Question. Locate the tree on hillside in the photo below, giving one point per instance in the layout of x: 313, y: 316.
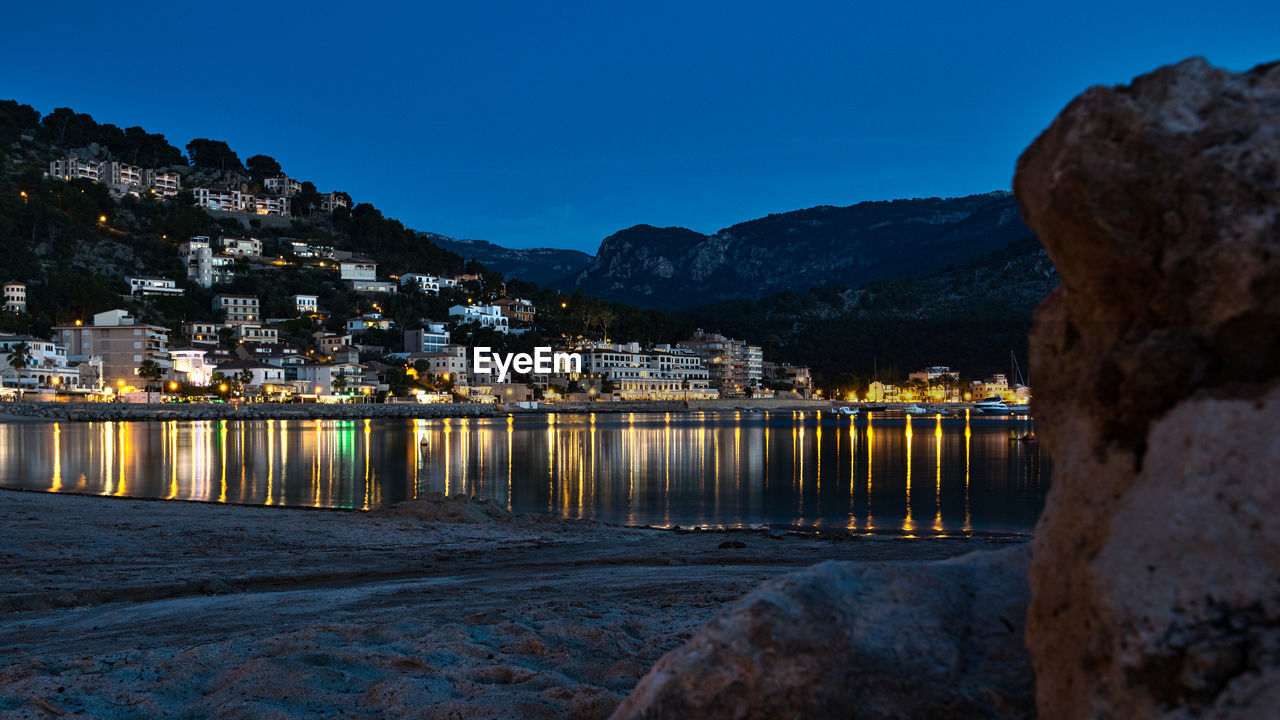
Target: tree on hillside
x: 307, y: 201
x: 151, y: 149
x: 212, y: 154
x: 262, y: 166
x: 15, y: 119
x: 67, y: 128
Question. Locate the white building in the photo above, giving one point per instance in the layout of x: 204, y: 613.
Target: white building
x: 663, y: 373
x: 46, y: 367
x: 224, y: 200
x: 369, y: 321
x: 164, y: 183
x: 198, y: 257
x: 428, y: 339
x: 331, y: 201
x: 122, y: 178
x: 327, y: 343
x: 203, y: 333
x: 189, y: 365
x: 70, y: 168
x: 329, y: 379
x: 242, y: 247
x: 377, y: 287
x: 306, y: 304
x: 237, y: 309
x: 429, y: 284
x: 204, y: 268
x: 271, y: 205
x: 448, y: 363
x: 283, y: 186
x: 358, y: 270
x: 483, y: 315
x: 144, y: 285
x: 15, y: 296
x: 261, y: 375
x: 257, y: 334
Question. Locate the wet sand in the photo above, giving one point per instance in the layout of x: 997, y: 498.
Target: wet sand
x: 121, y: 608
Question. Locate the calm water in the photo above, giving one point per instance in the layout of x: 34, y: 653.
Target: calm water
x: 886, y: 475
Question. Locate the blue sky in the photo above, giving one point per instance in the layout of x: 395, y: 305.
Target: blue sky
x: 556, y: 124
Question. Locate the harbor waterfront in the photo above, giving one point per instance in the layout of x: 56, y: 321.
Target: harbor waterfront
x: 885, y: 473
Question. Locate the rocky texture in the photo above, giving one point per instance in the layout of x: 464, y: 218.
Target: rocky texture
x: 821, y: 246
x: 435, y: 507
x: 1156, y: 566
x: 846, y: 640
x: 125, y: 609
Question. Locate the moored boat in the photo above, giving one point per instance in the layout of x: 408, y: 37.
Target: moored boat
x: 992, y: 406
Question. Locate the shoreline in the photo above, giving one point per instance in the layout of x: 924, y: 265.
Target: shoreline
x: 435, y: 606
x: 38, y: 412
x: 764, y: 530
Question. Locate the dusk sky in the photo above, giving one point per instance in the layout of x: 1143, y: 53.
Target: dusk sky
x: 556, y: 124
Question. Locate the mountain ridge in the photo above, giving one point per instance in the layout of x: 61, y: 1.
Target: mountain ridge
x: 674, y: 267
x: 543, y: 266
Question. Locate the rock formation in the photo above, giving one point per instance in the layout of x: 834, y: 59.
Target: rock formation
x: 1156, y: 565
x: 821, y: 246
x: 868, y: 640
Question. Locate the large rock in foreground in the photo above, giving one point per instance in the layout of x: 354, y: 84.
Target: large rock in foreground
x: 867, y: 640
x: 1156, y: 564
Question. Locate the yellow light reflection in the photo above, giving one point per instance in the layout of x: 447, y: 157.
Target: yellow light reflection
x: 56, y: 483
x: 937, y: 493
x: 908, y: 525
x: 967, y: 437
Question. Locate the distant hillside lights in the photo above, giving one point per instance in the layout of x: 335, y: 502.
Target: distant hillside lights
x: 122, y: 178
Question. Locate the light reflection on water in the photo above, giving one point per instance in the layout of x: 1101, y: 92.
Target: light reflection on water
x: 920, y: 476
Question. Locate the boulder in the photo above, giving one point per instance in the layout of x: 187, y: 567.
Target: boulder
x: 1155, y: 571
x: 867, y: 640
x: 436, y: 507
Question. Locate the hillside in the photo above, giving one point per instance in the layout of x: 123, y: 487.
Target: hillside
x: 73, y: 242
x: 969, y: 317
x: 543, y: 266
x: 892, y: 285
x: 794, y: 251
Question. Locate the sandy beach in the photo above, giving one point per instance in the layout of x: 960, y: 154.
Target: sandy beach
x: 445, y: 609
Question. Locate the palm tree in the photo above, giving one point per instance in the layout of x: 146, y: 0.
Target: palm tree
x: 149, y: 370
x: 20, y: 359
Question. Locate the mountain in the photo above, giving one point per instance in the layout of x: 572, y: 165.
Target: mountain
x: 847, y: 246
x: 968, y: 317
x: 540, y: 265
